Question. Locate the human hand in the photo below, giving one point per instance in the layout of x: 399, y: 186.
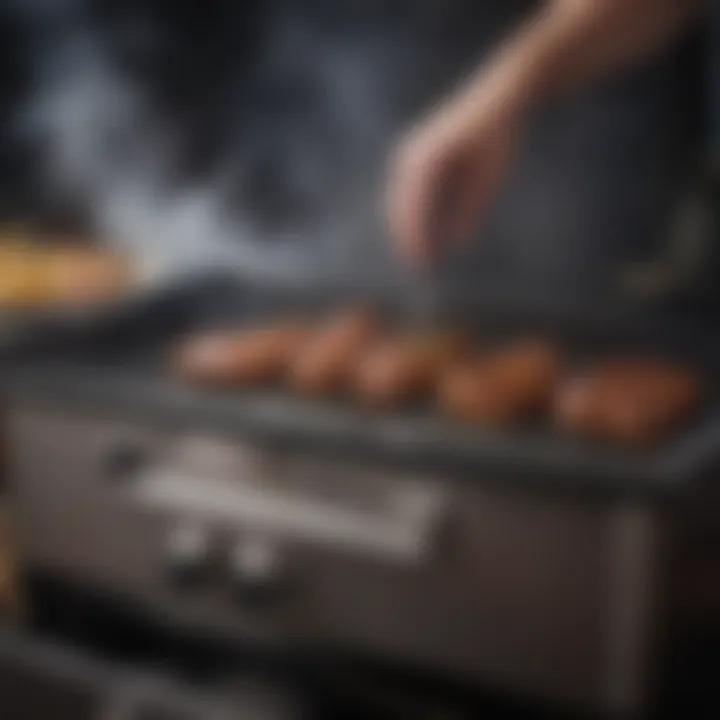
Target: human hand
x: 446, y: 173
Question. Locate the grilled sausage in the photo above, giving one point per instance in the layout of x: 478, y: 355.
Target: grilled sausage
x: 578, y: 405
x: 471, y: 395
x: 634, y: 401
x: 398, y: 371
x: 245, y: 358
x: 326, y: 363
x: 504, y: 388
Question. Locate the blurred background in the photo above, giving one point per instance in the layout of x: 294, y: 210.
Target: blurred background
x: 255, y: 465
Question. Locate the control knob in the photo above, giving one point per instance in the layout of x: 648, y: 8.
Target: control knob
x: 257, y: 570
x: 189, y: 553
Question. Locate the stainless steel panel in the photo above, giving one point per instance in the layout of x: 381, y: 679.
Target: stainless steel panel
x: 548, y: 596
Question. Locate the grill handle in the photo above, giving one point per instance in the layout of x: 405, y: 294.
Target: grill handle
x: 402, y: 534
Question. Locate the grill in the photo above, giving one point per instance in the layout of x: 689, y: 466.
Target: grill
x: 120, y: 362
x: 42, y: 680
x: 525, y: 561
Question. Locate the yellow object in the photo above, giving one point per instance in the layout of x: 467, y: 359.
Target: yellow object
x: 33, y: 276
x: 24, y: 278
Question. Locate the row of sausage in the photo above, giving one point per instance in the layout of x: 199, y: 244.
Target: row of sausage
x: 352, y: 355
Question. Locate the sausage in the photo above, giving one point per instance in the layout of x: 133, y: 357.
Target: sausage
x: 631, y: 401
x: 504, y: 388
x: 529, y: 369
x: 243, y: 358
x: 469, y: 394
x: 326, y: 363
x: 577, y: 406
x: 405, y: 369
x: 582, y: 402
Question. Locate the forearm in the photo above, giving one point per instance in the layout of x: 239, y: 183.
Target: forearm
x: 571, y: 43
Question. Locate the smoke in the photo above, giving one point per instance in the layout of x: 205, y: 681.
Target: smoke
x: 102, y: 147
x: 306, y: 123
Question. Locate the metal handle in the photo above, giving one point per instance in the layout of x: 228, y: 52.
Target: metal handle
x: 404, y: 534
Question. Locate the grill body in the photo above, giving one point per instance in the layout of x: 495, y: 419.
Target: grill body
x: 536, y: 566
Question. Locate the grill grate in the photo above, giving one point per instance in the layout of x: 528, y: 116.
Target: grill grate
x: 119, y: 362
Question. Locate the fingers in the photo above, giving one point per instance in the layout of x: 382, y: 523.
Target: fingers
x: 464, y: 200
x: 472, y: 190
x: 417, y: 177
x: 441, y: 187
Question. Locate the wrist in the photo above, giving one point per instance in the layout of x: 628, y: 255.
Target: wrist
x: 526, y: 68
x: 518, y: 79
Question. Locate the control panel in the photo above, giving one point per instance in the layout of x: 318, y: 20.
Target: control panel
x: 235, y: 515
